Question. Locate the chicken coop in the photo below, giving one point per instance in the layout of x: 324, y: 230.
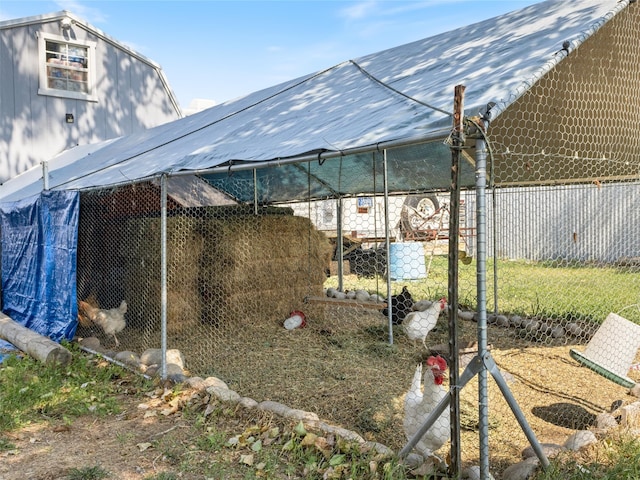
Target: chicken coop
x: 352, y: 198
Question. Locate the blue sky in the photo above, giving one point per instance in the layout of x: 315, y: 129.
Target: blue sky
x: 219, y: 50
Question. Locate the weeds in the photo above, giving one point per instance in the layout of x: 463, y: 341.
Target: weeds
x: 163, y: 476
x: 88, y: 473
x: 613, y: 459
x: 233, y: 443
x: 6, y: 445
x: 31, y: 391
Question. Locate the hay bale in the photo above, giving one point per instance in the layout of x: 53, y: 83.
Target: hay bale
x: 184, y: 250
x: 223, y: 270
x: 260, y: 268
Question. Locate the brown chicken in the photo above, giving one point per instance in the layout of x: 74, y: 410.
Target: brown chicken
x: 111, y: 321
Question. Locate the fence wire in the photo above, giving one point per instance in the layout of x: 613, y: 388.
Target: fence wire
x: 564, y: 253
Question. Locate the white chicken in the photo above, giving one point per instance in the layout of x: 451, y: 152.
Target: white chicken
x: 418, y: 324
x: 418, y: 404
x: 111, y: 321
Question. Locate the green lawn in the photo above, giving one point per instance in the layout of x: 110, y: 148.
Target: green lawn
x: 550, y: 290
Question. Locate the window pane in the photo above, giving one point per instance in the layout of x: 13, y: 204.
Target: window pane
x: 67, y: 67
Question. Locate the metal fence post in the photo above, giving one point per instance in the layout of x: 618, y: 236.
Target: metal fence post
x: 163, y: 274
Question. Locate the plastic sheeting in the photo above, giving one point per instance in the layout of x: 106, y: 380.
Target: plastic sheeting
x: 39, y: 252
x: 400, y: 95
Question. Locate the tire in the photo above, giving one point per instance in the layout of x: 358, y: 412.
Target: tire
x: 415, y: 210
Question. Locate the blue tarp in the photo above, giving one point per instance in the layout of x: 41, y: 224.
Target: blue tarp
x: 39, y: 252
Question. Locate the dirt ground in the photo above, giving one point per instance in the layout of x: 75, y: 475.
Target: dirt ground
x: 348, y: 377
x: 117, y: 443
x: 344, y: 371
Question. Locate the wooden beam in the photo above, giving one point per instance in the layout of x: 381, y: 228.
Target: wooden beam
x: 338, y: 302
x: 39, y: 347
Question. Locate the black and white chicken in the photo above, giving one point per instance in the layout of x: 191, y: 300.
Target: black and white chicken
x: 400, y: 305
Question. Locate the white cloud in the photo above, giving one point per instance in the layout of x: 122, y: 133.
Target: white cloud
x: 84, y: 11
x: 359, y: 10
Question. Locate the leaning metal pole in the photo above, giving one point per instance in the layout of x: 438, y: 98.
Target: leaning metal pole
x: 454, y: 234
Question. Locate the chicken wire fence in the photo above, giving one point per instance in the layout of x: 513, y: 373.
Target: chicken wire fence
x: 564, y: 244
x: 234, y: 275
x: 563, y: 254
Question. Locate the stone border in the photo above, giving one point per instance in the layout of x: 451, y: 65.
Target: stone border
x: 148, y: 364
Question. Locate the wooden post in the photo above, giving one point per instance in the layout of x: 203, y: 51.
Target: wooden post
x: 39, y: 347
x: 454, y: 228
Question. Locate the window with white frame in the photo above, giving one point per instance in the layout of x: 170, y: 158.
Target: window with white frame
x: 67, y: 69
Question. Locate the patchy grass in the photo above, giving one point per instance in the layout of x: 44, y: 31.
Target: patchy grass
x: 344, y: 370
x: 32, y: 392
x: 95, y: 407
x: 88, y: 473
x: 201, y: 437
x: 612, y: 459
x: 549, y: 289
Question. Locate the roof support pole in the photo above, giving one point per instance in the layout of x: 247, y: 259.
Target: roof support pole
x: 255, y: 191
x: 45, y: 175
x: 494, y: 229
x: 339, y: 243
x: 489, y: 365
x: 481, y: 292
x: 163, y: 275
x: 387, y: 245
x: 482, y: 364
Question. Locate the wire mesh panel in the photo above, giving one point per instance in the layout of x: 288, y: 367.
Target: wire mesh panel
x: 564, y: 243
x: 375, y: 376
x: 116, y: 239
x: 337, y: 303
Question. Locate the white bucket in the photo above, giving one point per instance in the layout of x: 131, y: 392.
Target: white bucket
x: 406, y: 261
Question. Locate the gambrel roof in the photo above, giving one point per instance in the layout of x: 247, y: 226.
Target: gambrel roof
x: 64, y: 14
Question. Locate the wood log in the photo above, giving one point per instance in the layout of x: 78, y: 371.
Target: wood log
x: 340, y: 302
x: 39, y: 347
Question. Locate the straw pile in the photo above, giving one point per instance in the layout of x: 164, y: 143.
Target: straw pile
x: 260, y: 268
x: 143, y: 269
x: 226, y: 268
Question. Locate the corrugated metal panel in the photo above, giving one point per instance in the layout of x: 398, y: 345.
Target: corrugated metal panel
x: 585, y: 223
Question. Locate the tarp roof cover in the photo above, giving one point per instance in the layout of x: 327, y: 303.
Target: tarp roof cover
x: 397, y: 96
